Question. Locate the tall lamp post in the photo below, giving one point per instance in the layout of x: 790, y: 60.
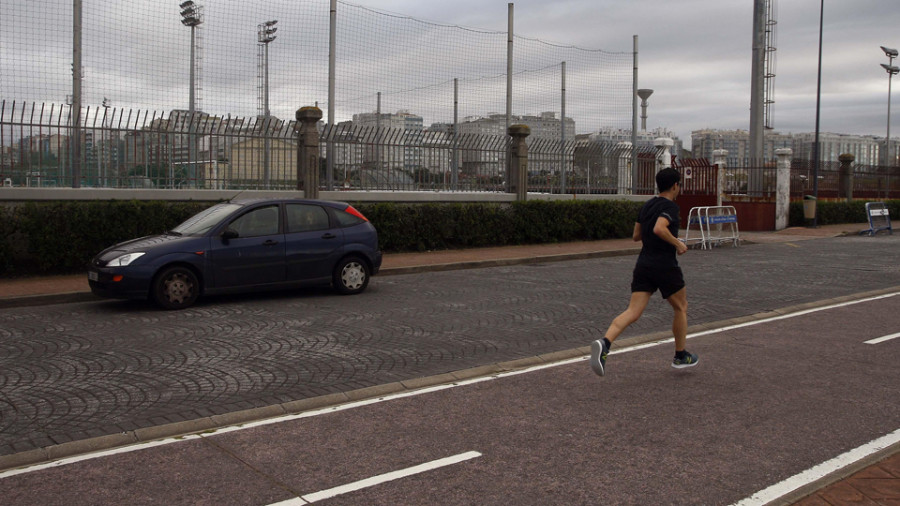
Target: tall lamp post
x: 892, y: 71
x: 191, y: 16
x: 818, y: 115
x: 266, y: 34
x: 103, y: 171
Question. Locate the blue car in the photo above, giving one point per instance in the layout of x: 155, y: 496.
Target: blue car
x: 239, y: 246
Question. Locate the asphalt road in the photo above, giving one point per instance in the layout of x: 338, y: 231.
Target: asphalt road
x: 71, y: 372
x: 766, y: 402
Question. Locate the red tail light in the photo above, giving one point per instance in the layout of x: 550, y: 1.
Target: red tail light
x: 354, y: 212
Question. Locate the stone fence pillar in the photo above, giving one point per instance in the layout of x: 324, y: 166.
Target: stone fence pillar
x: 782, y: 187
x: 665, y: 158
x: 720, y: 160
x: 518, y: 162
x: 308, y: 151
x: 845, y: 185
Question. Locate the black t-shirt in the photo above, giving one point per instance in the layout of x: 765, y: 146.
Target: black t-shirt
x: 655, y: 251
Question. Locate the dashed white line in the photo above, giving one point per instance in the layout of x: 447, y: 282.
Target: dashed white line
x: 413, y: 393
x: 882, y: 339
x: 377, y: 480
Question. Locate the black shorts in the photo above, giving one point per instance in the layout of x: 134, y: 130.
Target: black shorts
x: 667, y: 280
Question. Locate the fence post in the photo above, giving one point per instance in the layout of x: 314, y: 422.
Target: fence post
x: 845, y: 185
x: 720, y: 160
x: 518, y: 166
x: 665, y: 159
x: 308, y: 151
x: 782, y: 187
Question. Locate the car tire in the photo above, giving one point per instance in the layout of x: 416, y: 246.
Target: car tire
x: 351, y: 275
x: 176, y: 288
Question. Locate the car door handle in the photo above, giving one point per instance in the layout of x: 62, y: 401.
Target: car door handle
x: 270, y: 242
x: 329, y: 236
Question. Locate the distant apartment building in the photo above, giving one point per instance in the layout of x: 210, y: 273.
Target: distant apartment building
x: 866, y: 149
x: 488, y: 162
x: 645, y: 139
x: 737, y: 143
x: 397, y: 146
x: 544, y: 125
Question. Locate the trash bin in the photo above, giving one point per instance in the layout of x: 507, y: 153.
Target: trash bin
x: 809, y: 207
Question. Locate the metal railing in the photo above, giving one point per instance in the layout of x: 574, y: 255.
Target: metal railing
x: 125, y: 148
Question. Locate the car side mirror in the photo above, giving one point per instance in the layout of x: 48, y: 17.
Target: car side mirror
x: 229, y: 234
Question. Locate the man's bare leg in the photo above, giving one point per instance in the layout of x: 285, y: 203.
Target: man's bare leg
x: 636, y: 307
x: 678, y: 301
x: 600, y: 348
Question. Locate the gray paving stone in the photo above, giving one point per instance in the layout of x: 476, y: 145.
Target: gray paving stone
x: 76, y: 371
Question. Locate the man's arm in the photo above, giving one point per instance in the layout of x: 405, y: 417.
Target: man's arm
x: 661, y: 229
x: 636, y: 235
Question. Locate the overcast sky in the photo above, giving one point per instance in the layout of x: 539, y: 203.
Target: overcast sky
x: 696, y: 54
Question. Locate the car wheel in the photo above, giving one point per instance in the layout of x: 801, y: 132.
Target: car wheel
x: 176, y: 288
x: 351, y: 275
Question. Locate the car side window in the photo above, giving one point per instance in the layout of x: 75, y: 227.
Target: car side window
x: 306, y: 218
x: 347, y: 220
x: 262, y: 221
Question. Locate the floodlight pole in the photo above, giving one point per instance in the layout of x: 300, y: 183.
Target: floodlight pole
x: 818, y: 111
x: 891, y: 70
x: 266, y: 34
x: 191, y: 16
x: 75, y: 142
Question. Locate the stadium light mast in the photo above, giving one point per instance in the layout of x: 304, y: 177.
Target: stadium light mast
x: 191, y: 15
x: 892, y: 70
x: 265, y: 35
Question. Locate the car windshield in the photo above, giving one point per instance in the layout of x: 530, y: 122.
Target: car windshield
x: 203, y: 221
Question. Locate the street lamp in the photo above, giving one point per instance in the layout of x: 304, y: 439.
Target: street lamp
x: 103, y: 172
x: 191, y: 15
x: 892, y: 71
x: 266, y: 34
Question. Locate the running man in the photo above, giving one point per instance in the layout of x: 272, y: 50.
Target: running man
x: 657, y: 268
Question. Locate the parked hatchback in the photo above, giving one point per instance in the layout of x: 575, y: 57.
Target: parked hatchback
x: 243, y: 246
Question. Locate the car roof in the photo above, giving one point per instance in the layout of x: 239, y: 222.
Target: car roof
x: 254, y: 201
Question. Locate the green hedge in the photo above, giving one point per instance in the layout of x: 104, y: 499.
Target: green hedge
x: 40, y: 238
x: 833, y: 212
x: 61, y: 237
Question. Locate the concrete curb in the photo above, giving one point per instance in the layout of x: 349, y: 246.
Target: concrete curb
x: 211, y: 424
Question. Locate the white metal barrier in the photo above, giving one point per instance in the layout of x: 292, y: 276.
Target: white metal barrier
x: 726, y: 226
x: 879, y: 218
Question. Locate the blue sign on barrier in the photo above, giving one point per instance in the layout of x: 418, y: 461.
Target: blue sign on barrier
x: 714, y: 220
x: 879, y: 218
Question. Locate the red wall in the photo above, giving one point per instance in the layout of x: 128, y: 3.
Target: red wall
x: 754, y: 214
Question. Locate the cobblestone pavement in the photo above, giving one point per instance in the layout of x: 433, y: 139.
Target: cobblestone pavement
x: 76, y: 371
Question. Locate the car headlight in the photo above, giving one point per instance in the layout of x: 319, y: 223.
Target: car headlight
x: 124, y: 260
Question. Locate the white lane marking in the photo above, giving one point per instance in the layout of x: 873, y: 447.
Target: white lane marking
x: 882, y: 339
x: 812, y: 474
x: 402, y: 395
x: 377, y: 480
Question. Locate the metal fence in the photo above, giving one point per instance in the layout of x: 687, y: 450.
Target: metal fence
x: 155, y: 56
x: 124, y: 148
x: 868, y: 181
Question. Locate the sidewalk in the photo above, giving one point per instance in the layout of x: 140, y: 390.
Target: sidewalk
x: 71, y: 288
x: 873, y: 483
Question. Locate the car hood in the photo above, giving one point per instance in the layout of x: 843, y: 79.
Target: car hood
x: 153, y: 245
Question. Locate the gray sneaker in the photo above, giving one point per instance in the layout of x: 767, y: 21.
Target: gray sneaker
x: 689, y: 360
x: 599, y: 351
